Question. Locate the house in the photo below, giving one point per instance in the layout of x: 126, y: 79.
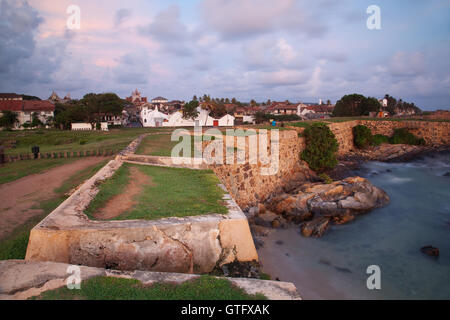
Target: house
x: 153, y: 118
x: 159, y: 100
x: 10, y: 96
x: 88, y: 126
x: 25, y: 109
x: 283, y: 108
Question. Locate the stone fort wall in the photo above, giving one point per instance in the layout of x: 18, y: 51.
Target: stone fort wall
x: 249, y: 187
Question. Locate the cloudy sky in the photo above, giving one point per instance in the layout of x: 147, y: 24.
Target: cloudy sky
x: 278, y: 49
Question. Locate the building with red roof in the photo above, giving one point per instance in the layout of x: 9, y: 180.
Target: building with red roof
x: 25, y: 109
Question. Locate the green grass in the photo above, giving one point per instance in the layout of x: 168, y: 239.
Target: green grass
x: 161, y: 145
x: 61, y: 141
x: 173, y: 192
x: 16, y: 170
x: 14, y: 246
x: 110, y: 288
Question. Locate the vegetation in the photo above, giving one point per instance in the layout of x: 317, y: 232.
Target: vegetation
x: 261, y: 117
x: 190, y: 110
x: 91, y: 109
x: 325, y: 178
x: 172, y: 192
x: 321, y: 147
x: 395, y: 106
x: 379, y: 139
x: 111, y: 288
x: 355, y: 105
x: 403, y: 136
x: 20, y: 142
x: 161, y: 145
x: 14, y: 246
x: 362, y: 136
x: 8, y: 119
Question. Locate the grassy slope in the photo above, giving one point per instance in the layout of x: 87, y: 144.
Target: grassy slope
x: 15, y: 245
x: 109, y: 288
x: 173, y: 193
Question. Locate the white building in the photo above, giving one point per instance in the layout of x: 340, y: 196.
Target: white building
x: 153, y: 118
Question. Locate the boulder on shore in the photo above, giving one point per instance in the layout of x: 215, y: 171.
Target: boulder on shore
x: 315, y: 205
x: 430, y: 251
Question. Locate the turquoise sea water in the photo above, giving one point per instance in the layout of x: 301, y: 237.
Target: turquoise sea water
x: 334, y: 266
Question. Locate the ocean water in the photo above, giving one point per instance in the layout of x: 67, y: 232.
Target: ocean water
x: 334, y: 266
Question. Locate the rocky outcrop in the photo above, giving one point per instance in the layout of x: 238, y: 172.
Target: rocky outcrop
x: 315, y: 205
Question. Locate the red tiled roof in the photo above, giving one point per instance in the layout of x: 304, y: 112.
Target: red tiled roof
x: 36, y: 105
x: 11, y: 105
x: 283, y: 106
x: 9, y: 96
x: 26, y: 105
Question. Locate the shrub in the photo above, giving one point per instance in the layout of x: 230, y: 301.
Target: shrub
x: 362, y: 136
x: 378, y: 139
x: 403, y: 136
x: 82, y: 142
x: 325, y: 178
x: 321, y: 147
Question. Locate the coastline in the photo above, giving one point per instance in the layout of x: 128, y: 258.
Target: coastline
x: 352, y: 163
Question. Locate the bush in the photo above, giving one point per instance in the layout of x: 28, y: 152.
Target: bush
x: 325, y: 178
x: 378, y: 139
x: 82, y: 142
x: 362, y: 136
x: 321, y: 147
x: 403, y: 136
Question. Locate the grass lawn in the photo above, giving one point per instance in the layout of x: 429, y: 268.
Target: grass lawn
x: 110, y: 288
x: 16, y: 170
x: 173, y: 192
x: 15, y: 245
x: 58, y: 140
x: 161, y: 145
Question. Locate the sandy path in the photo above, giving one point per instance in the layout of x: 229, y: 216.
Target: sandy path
x: 17, y: 198
x: 123, y: 202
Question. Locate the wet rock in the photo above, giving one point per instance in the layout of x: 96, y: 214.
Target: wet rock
x: 430, y: 251
x: 260, y: 231
x: 447, y: 174
x: 315, y: 228
x: 252, y: 212
x: 339, y: 202
x: 266, y: 219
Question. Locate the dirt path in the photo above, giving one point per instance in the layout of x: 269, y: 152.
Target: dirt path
x: 123, y: 202
x: 19, y: 198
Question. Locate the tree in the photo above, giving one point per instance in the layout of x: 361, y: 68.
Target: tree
x: 355, y: 105
x: 35, y: 121
x: 190, y: 110
x: 194, y: 98
x: 8, y: 119
x: 321, y: 147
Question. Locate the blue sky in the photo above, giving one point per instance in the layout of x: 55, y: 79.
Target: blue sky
x: 261, y: 49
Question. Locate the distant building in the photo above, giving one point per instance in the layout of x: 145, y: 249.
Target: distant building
x: 283, y: 108
x: 25, y: 110
x: 10, y: 97
x: 159, y: 100
x: 136, y: 98
x: 54, y: 98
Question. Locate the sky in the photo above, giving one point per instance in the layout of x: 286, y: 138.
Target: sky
x: 249, y: 49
